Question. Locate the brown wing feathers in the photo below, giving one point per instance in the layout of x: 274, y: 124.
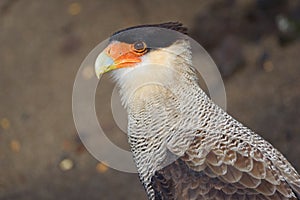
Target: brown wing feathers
x: 223, y: 173
x: 242, y: 169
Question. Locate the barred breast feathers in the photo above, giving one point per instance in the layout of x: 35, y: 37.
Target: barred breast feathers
x: 186, y: 147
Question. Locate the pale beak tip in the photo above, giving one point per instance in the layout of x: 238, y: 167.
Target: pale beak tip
x: 98, y: 71
x: 103, y: 64
x: 98, y: 76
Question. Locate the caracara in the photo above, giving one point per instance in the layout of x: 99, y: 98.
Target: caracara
x: 183, y: 144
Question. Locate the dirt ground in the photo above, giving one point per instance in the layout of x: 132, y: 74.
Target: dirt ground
x: 42, y: 44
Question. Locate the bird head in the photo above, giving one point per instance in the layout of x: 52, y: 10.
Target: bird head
x: 129, y: 47
x: 144, y: 54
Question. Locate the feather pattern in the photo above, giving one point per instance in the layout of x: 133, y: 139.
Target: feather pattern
x: 186, y: 147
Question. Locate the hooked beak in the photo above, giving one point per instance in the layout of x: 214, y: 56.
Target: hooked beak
x: 104, y: 63
x: 116, y: 55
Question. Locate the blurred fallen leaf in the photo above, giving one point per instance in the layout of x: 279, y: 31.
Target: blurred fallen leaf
x: 101, y: 167
x: 80, y: 149
x: 66, y: 145
x: 74, y: 9
x: 15, y: 146
x: 5, y: 124
x: 268, y: 66
x: 66, y: 164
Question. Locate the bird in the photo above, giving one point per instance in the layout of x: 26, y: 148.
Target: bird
x: 183, y: 144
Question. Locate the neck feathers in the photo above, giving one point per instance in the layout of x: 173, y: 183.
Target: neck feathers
x: 159, y: 67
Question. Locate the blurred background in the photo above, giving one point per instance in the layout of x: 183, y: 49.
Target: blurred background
x: 42, y: 44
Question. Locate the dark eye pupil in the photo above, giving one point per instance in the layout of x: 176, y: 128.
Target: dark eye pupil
x: 139, y: 46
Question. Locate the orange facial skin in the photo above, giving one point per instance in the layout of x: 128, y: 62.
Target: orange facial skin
x: 123, y: 54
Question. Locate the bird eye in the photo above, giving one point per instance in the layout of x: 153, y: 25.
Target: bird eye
x: 139, y: 47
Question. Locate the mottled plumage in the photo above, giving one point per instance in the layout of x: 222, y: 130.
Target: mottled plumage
x: 185, y: 146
